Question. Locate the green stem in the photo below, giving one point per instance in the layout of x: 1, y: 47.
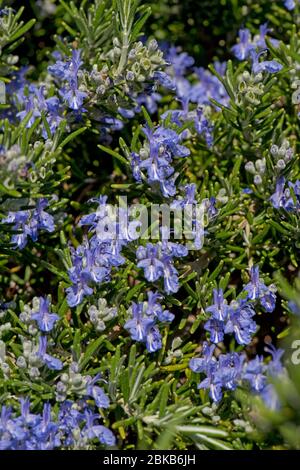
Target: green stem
x: 124, y: 52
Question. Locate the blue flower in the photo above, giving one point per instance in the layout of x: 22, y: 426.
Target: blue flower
x: 282, y: 198
x: 91, y: 430
x: 139, y: 324
x: 170, y: 274
x: 94, y: 259
x: 255, y: 374
x: 229, y: 372
x: 188, y: 199
x: 294, y: 307
x: 222, y: 373
x: 80, y: 287
x: 142, y: 326
x: 20, y: 220
x: 43, y: 317
x: 97, y: 393
x: 51, y: 362
x: 257, y: 290
x: 45, y: 432
x: 275, y: 367
x: 148, y: 259
x: 165, y: 80
x: 162, y: 146
x: 60, y: 69
x: 202, y: 364
x: 219, y: 309
x: 149, y: 101
x: 153, y: 339
x: 180, y: 61
x: 135, y: 164
x: 216, y: 329
x: 29, y: 222
x: 289, y: 4
x: 240, y: 322
x: 209, y: 86
x: 30, y: 107
x: 215, y: 388
x: 261, y: 41
x: 270, y: 397
x: 203, y: 127
x: 73, y: 97
x: 74, y: 425
x: 157, y: 261
x: 245, y: 46
x: 67, y: 71
x: 41, y: 220
x: 155, y: 310
x: 271, y: 66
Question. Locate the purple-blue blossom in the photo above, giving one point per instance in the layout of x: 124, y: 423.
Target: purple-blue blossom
x: 96, y: 392
x: 93, y: 260
x: 224, y: 373
x: 270, y: 66
x: 93, y: 430
x: 219, y: 309
x: 162, y: 146
x: 67, y: 71
x: 139, y: 324
x: 283, y: 198
x: 51, y: 362
x: 290, y: 4
x: 180, y: 61
x: 144, y: 319
x: 247, y: 46
x: 258, y: 291
x: 28, y: 223
x: 240, y: 322
x: 242, y: 49
x: 216, y: 329
x: 157, y: 261
x: 44, y: 318
x: 255, y: 374
x: 73, y: 426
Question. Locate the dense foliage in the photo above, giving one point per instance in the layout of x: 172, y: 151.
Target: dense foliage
x: 119, y: 330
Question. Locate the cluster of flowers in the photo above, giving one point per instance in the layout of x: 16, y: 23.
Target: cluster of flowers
x: 94, y: 259
x: 101, y: 250
x: 31, y: 98
x: 286, y: 197
x: 156, y: 156
x: 145, y: 315
x: 228, y: 371
x: 157, y: 261
x: 237, y: 317
x: 205, y: 85
x: 27, y: 223
x: 194, y: 97
x: 254, y: 48
x: 71, y: 85
x: 75, y: 426
x: 96, y: 256
x: 68, y: 72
